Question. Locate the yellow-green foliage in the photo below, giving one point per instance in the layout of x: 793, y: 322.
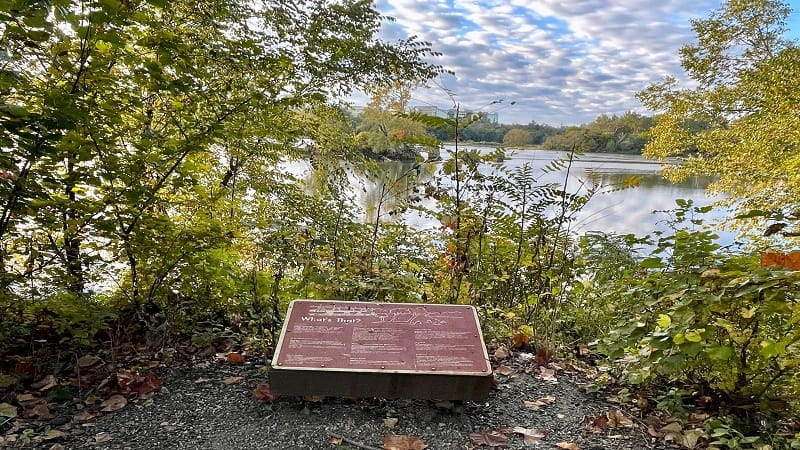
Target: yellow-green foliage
x: 742, y: 120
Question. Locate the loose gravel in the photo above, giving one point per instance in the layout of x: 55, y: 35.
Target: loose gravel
x: 197, y: 409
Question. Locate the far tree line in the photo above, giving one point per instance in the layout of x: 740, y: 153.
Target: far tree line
x: 626, y: 133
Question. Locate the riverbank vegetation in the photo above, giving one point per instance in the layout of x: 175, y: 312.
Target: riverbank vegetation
x: 624, y: 134
x: 145, y: 202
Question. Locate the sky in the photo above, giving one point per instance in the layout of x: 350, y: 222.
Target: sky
x: 560, y: 62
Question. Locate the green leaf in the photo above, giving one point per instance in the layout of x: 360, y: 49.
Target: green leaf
x: 721, y: 353
x: 693, y: 336
x: 651, y: 263
x: 664, y: 321
x: 772, y: 349
x: 15, y: 111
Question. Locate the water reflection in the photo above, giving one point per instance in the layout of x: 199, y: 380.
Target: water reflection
x: 386, y: 192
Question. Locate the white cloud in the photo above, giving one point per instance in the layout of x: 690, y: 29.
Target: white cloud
x: 562, y: 61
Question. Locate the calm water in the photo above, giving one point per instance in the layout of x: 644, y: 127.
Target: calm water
x: 613, y: 211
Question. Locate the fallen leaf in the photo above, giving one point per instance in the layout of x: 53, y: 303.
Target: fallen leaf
x: 83, y: 416
x: 390, y: 422
x: 547, y: 374
x: 673, y: 427
x: 40, y: 410
x: 336, y: 440
x: 27, y: 399
x: 8, y: 439
x: 46, y: 383
x: 505, y: 370
x: 7, y: 381
x: 600, y: 421
x: 536, y: 404
x: 402, y: 442
x: 7, y: 410
x: 500, y: 354
x: 53, y: 435
x: 92, y: 399
x: 234, y: 358
x: 102, y: 437
x: 530, y: 436
x: 617, y: 419
x: 87, y: 361
x: 114, y: 403
x: 492, y: 438
x: 568, y: 445
x: 262, y: 392
x: 132, y: 382
x: 56, y: 447
x: 232, y: 380
x: 690, y: 437
x: 582, y: 350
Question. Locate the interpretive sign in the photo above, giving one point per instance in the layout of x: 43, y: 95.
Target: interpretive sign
x: 359, y: 349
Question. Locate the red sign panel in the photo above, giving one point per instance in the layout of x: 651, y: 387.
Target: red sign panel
x: 397, y: 337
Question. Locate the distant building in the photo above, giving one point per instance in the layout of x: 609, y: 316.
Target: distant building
x: 430, y: 111
x: 492, y: 117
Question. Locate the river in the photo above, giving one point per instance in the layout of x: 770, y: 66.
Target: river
x: 620, y: 211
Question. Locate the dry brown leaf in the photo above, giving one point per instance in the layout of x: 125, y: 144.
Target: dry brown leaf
x: 132, y: 382
x: 27, y: 399
x: 83, y: 416
x: 102, y: 437
x: 336, y: 440
x: 234, y: 358
x: 530, y: 436
x: 547, y: 374
x: 402, y: 442
x: 500, y: 354
x: 568, y: 445
x: 262, y: 392
x: 56, y: 447
x: 600, y: 421
x: 232, y: 380
x: 536, y: 404
x: 39, y: 410
x: 491, y: 438
x: 690, y: 437
x: 505, y: 370
x: 45, y: 384
x: 114, y: 403
x: 673, y: 427
x: 617, y: 419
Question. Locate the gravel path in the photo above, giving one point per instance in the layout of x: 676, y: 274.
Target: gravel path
x: 208, y: 407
